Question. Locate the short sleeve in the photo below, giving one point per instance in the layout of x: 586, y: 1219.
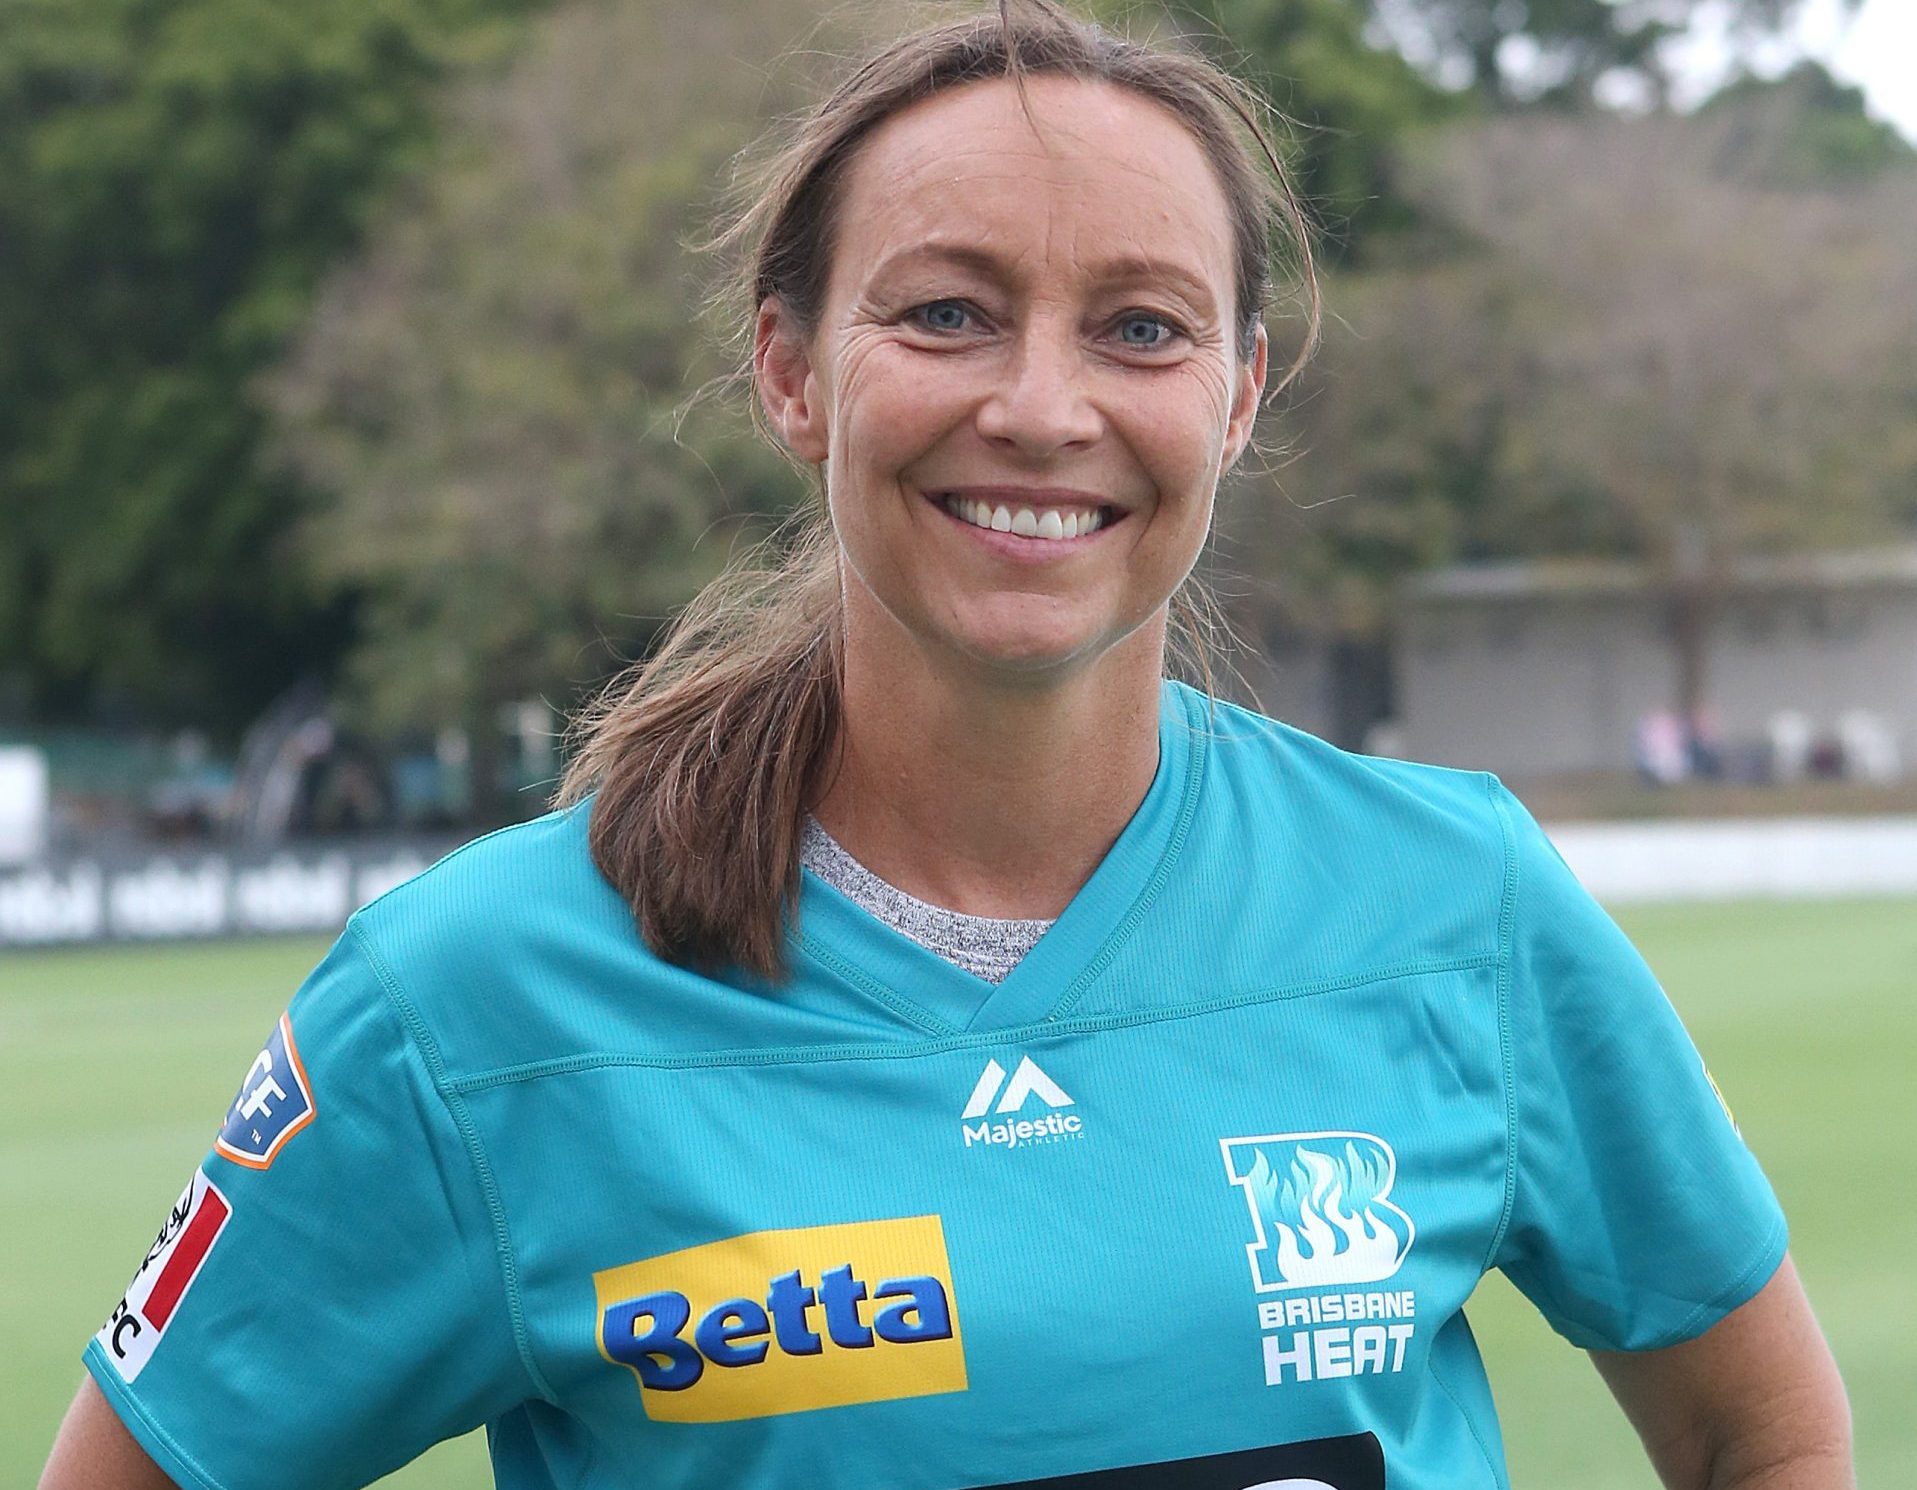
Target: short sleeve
x: 325, y: 1300
x: 1638, y: 1216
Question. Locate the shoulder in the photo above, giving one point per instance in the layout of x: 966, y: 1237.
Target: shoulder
x: 1347, y: 854
x: 510, y: 882
x: 1276, y: 768
x: 501, y: 936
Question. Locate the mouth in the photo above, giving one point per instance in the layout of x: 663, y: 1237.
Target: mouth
x: 1047, y: 523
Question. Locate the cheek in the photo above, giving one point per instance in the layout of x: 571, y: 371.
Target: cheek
x: 885, y: 406
x: 1181, y: 430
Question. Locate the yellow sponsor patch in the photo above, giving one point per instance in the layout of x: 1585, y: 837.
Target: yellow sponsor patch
x: 786, y: 1321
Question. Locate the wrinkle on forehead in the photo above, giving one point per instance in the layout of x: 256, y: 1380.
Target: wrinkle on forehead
x: 1016, y: 175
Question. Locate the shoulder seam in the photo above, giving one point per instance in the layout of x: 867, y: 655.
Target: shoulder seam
x: 1507, y: 923
x: 458, y: 851
x: 1195, y: 767
x: 414, y: 1028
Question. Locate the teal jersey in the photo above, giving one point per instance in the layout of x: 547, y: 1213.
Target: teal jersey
x: 1195, y: 1197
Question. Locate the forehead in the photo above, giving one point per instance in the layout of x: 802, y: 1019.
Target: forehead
x: 1109, y: 176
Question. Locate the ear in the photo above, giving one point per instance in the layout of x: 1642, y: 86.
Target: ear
x: 1247, y: 389
x: 782, y: 372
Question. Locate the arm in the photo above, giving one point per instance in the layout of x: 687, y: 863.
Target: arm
x: 1754, y: 1403
x: 95, y: 1452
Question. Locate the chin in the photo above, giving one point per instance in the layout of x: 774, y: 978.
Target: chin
x: 1028, y: 653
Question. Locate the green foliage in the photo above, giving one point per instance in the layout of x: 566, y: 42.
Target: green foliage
x: 1554, y: 52
x: 1350, y: 101
x: 496, y: 395
x: 1611, y: 338
x: 174, y: 177
x: 1807, y: 129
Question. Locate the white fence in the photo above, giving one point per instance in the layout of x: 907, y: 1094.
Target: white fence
x: 1799, y: 858
x: 202, y: 893
x: 313, y: 887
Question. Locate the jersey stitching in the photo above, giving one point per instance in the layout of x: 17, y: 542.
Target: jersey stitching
x: 1500, y: 1480
x: 463, y: 849
x: 866, y: 983
x: 973, y: 1039
x: 1089, y: 974
x: 462, y: 1119
x: 1713, y: 1307
x: 123, y: 1396
x: 1507, y: 923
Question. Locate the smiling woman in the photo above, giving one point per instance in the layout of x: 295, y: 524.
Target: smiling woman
x: 1017, y: 362
x: 671, y: 1136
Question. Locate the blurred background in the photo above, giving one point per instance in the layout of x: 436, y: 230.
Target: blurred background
x: 360, y: 412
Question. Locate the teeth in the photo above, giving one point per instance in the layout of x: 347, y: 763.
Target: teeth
x: 1050, y: 524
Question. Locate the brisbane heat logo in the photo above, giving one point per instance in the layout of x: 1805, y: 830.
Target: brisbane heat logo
x: 1319, y: 1209
x: 820, y: 1316
x: 1324, y: 1226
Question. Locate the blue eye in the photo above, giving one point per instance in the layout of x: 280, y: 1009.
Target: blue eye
x: 942, y: 315
x: 1146, y: 320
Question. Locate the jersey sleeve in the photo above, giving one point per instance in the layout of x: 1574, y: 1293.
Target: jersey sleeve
x: 325, y: 1300
x: 1638, y: 1217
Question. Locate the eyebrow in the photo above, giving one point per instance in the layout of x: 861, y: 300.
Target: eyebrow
x: 1126, y: 267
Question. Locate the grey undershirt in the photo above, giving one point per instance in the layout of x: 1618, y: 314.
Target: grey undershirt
x: 984, y: 946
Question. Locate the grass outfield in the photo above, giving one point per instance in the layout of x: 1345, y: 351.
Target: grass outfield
x: 115, y: 1066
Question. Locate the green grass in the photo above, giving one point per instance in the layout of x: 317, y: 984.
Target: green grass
x: 116, y: 1065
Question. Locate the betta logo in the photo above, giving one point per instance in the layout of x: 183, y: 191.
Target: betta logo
x: 1319, y: 1208
x: 819, y: 1316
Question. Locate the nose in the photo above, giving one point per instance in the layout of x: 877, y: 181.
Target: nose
x: 1042, y: 404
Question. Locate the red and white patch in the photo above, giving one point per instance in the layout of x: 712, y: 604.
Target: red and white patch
x: 171, y: 1264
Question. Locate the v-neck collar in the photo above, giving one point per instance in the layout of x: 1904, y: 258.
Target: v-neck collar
x: 942, y: 998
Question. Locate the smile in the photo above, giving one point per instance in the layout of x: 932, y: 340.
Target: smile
x: 1051, y: 523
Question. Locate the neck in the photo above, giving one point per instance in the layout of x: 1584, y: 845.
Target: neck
x: 985, y: 792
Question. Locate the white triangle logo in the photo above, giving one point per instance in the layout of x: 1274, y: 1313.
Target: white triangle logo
x: 1027, y: 1081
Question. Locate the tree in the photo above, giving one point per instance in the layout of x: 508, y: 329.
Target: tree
x: 1806, y: 128
x: 495, y: 395
x: 1557, y: 51
x: 174, y: 177
x: 1631, y: 342
x: 1350, y: 99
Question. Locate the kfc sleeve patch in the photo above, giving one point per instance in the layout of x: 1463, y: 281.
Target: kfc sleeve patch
x: 168, y: 1270
x: 274, y: 1103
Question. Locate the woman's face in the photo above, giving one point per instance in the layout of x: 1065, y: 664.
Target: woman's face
x: 1024, y: 380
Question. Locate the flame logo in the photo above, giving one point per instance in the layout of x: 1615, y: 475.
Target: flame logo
x: 1318, y: 1205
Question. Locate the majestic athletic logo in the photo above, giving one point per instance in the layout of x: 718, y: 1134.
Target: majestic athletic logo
x: 1318, y: 1208
x: 1027, y: 1082
x: 819, y: 1316
x: 1321, y: 1220
x: 274, y: 1103
x: 164, y: 1275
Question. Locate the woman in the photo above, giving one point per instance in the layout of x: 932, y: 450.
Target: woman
x: 1130, y: 1091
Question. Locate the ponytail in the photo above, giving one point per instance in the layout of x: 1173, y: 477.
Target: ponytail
x: 705, y: 758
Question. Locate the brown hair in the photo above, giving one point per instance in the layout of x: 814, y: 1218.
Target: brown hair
x: 706, y: 756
